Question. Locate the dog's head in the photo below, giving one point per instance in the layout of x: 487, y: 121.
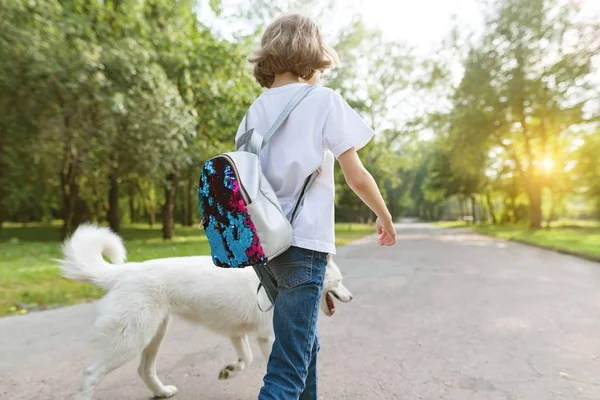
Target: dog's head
x: 333, y: 288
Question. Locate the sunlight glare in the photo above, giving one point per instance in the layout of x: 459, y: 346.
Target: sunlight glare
x: 547, y: 164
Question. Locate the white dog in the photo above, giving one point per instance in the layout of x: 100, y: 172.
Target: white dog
x: 134, y: 314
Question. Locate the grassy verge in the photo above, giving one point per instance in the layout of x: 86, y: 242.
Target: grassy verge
x: 450, y: 224
x: 346, y: 233
x: 579, y: 240
x: 30, y: 279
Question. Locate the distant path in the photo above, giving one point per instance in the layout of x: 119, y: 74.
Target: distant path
x: 443, y: 315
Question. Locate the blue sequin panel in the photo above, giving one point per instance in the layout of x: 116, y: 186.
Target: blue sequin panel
x: 227, y: 223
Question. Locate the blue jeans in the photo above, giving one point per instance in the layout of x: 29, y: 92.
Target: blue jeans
x: 294, y: 281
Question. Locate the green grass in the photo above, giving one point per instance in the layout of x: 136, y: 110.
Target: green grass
x: 347, y: 233
x: 30, y: 279
x: 582, y: 240
x: 450, y: 224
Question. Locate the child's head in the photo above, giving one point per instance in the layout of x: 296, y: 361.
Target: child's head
x: 292, y: 43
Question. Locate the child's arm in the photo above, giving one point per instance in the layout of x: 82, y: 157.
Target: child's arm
x: 362, y: 183
x: 344, y: 133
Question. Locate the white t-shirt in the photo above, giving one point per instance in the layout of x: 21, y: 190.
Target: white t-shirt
x: 321, y: 127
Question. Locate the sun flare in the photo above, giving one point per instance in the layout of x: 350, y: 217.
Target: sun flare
x: 547, y: 164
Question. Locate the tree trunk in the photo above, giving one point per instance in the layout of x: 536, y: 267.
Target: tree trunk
x: 461, y: 202
x: 169, y: 206
x: 82, y: 211
x: 2, y: 189
x: 189, y: 198
x: 474, y: 209
x: 534, y: 193
x: 70, y: 190
x: 152, y: 217
x: 184, y: 205
x: 69, y: 224
x: 186, y: 202
x: 514, y: 217
x: 551, y: 212
x: 114, y: 215
x: 490, y: 205
x: 99, y: 210
x: 133, y: 212
x: 148, y: 202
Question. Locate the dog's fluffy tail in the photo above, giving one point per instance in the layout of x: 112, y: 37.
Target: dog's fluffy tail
x: 83, y: 256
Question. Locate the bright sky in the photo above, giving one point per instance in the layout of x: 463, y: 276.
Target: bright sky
x: 422, y: 24
x: 425, y: 22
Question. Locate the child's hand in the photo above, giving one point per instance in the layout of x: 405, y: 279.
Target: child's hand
x: 386, y: 231
x: 362, y: 183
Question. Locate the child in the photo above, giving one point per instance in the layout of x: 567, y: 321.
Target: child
x: 321, y: 127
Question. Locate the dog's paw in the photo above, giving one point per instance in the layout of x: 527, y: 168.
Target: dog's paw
x: 166, y: 392
x: 228, y: 371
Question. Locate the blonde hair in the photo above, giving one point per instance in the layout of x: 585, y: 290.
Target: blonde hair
x: 291, y: 43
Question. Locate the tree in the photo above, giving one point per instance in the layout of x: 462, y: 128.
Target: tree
x: 97, y: 94
x: 526, y: 83
x: 389, y: 69
x: 587, y: 170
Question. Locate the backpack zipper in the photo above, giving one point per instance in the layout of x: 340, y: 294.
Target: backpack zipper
x: 237, y: 175
x: 297, y: 205
x: 301, y: 196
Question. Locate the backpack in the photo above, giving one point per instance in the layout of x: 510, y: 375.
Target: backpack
x: 241, y: 215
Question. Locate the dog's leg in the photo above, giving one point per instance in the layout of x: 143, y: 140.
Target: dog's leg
x: 147, y: 368
x: 93, y: 375
x: 266, y: 345
x: 242, y: 348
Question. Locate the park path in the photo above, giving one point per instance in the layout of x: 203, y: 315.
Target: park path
x: 445, y: 314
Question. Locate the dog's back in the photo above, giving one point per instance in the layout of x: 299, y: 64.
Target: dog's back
x: 222, y: 300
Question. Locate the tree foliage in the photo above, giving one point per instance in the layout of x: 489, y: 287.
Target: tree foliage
x: 109, y: 107
x: 96, y: 95
x: 524, y: 95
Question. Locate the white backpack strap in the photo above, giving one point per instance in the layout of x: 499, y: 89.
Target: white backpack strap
x: 253, y: 141
x: 263, y: 275
x: 244, y: 139
x: 249, y: 140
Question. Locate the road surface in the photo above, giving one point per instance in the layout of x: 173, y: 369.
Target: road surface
x: 445, y: 314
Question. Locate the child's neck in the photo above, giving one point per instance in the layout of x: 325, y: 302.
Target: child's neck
x: 286, y: 78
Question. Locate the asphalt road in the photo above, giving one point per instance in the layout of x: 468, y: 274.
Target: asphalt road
x: 445, y: 314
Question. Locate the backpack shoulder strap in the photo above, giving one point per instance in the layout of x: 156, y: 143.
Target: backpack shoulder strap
x: 298, y: 97
x: 245, y: 137
x: 253, y: 141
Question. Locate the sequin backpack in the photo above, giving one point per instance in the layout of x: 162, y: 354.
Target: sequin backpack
x: 242, y: 218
